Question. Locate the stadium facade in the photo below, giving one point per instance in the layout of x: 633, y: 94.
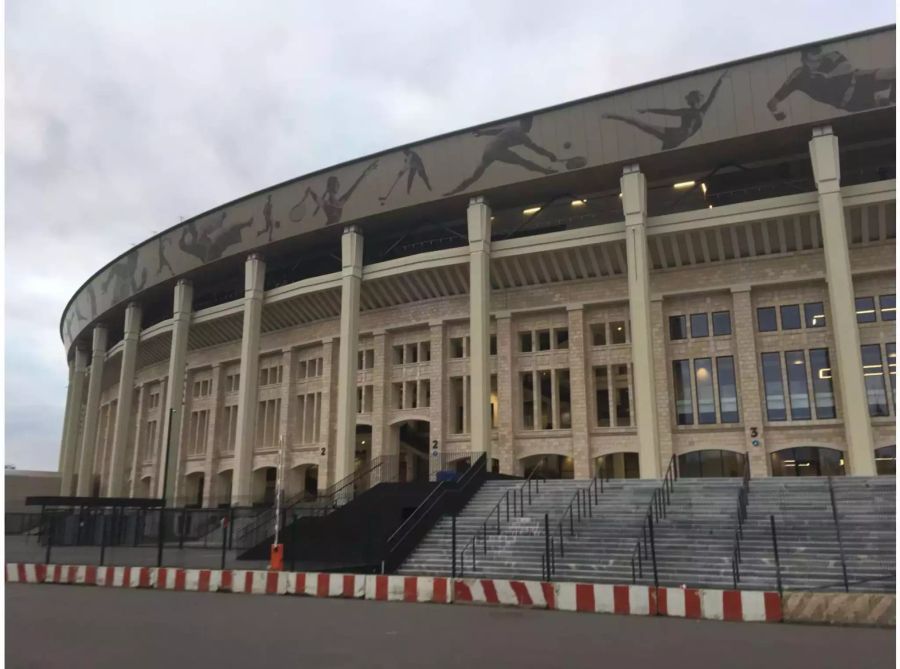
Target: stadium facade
x: 701, y: 267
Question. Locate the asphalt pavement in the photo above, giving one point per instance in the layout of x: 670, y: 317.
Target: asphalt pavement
x: 50, y: 626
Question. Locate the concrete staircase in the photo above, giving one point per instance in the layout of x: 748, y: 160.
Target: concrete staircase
x: 807, y: 541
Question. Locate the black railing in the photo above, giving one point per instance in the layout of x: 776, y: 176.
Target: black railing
x: 518, y: 510
x: 837, y: 531
x: 743, y: 499
x: 645, y: 547
x: 438, y: 503
x: 580, y: 506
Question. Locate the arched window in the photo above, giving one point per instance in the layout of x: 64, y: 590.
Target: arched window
x: 710, y: 463
x: 618, y: 466
x: 807, y: 461
x: 886, y: 460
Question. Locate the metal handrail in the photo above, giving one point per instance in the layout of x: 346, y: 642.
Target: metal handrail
x: 660, y: 499
x: 586, y: 497
x: 518, y: 498
x: 837, y: 530
x: 742, y: 500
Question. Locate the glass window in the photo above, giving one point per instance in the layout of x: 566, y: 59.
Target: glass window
x: 865, y: 310
x: 873, y: 373
x: 562, y: 337
x: 790, y: 317
x: 795, y: 363
x: 807, y: 461
x: 677, y: 327
x: 711, y: 463
x: 546, y: 398
x: 598, y: 332
x: 564, y: 398
x: 721, y: 321
x: 699, y: 325
x: 823, y: 394
x: 814, y: 314
x: 891, y: 351
x: 618, y: 466
x: 888, y: 308
x: 775, y: 407
x: 492, y: 345
x: 765, y: 319
x: 525, y: 342
x: 543, y: 339
x: 689, y: 465
x: 601, y: 389
x: 684, y: 404
x: 886, y: 460
x: 623, y: 401
x: 728, y: 404
x: 457, y: 349
x: 528, y: 400
x: 706, y: 403
x: 617, y: 328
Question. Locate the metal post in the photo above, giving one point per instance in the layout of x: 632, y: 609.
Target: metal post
x: 547, y: 542
x: 102, y: 537
x: 453, y: 546
x: 561, y: 544
x: 181, y: 529
x: 160, y: 532
x: 775, y: 550
x: 41, y: 524
x: 49, y: 539
x: 484, y: 537
x: 837, y: 531
x: 529, y: 492
x: 506, y: 497
x: 653, y: 555
x: 231, y: 525
x: 578, y: 503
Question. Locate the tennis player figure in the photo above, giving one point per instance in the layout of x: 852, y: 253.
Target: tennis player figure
x: 828, y: 77
x: 330, y: 202
x: 691, y: 118
x: 499, y: 149
x: 412, y: 167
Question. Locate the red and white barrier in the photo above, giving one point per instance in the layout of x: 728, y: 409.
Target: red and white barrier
x: 509, y: 593
x: 733, y: 605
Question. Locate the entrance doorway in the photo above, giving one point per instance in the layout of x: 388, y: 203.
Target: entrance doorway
x: 807, y: 461
x: 554, y: 466
x: 193, y: 490
x: 412, y: 438
x: 618, y: 466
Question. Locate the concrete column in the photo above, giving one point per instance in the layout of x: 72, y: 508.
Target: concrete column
x: 436, y: 374
x: 634, y: 203
x: 69, y: 463
x: 478, y: 216
x: 212, y: 434
x: 506, y: 409
x: 823, y: 149
x: 136, y: 459
x: 326, y: 416
x: 747, y: 371
x: 286, y: 417
x: 160, y: 444
x: 254, y: 286
x: 351, y: 281
x: 121, y: 431
x: 381, y: 396
x: 66, y: 414
x: 663, y: 392
x: 92, y: 414
x: 578, y: 394
x: 173, y: 409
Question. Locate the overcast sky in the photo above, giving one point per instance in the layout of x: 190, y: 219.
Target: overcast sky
x: 124, y: 116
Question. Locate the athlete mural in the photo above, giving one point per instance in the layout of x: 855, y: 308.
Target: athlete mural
x: 208, y: 240
x: 691, y: 117
x: 122, y: 276
x: 829, y: 78
x: 412, y: 167
x: 269, y: 226
x: 329, y: 202
x: 162, y: 260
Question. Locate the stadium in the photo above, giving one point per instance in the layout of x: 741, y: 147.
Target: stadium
x: 690, y: 278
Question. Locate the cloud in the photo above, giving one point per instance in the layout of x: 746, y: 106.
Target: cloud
x: 122, y: 117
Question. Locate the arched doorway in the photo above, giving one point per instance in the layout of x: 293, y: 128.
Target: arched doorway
x: 262, y: 486
x: 363, y: 450
x: 554, y: 466
x: 619, y: 465
x: 193, y: 489
x: 886, y: 460
x: 303, y: 480
x: 412, y: 438
x: 223, y: 488
x: 710, y: 463
x: 807, y: 461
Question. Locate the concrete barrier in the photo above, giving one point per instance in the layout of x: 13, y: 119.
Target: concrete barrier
x: 841, y: 608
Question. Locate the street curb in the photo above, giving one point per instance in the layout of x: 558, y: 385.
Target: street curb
x: 706, y: 604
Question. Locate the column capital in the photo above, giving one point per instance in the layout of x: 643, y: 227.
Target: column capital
x: 352, y: 230
x: 574, y: 307
x: 255, y: 257
x: 631, y: 169
x: 633, y: 185
x: 741, y: 288
x: 98, y: 341
x: 132, y: 321
x: 826, y: 162
x: 506, y: 314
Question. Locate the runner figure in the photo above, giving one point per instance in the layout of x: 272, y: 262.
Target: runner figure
x: 412, y: 167
x: 829, y: 78
x: 500, y: 148
x: 691, y: 118
x: 270, y: 225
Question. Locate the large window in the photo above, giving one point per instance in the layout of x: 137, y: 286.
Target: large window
x: 766, y: 319
x: 795, y: 364
x: 814, y: 314
x: 699, y: 325
x: 775, y: 406
x: 684, y: 404
x: 807, y: 461
x: 823, y: 393
x: 865, y: 310
x: 873, y: 373
x: 546, y: 400
x: 721, y: 321
x: 706, y: 403
x: 891, y: 353
x: 612, y: 393
x: 886, y: 460
x: 677, y: 327
x: 618, y: 466
x: 728, y: 403
x: 888, y: 307
x: 790, y: 317
x: 710, y: 463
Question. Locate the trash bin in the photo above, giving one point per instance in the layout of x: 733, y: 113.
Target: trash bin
x: 446, y: 475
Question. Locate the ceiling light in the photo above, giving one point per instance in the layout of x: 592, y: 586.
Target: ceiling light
x: 681, y: 185
x: 531, y: 210
x: 825, y: 373
x: 579, y: 203
x: 865, y: 311
x: 703, y: 188
x: 798, y: 362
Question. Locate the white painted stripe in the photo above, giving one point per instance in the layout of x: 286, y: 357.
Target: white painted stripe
x: 395, y: 588
x: 604, y: 600
x: 711, y: 604
x: 753, y: 605
x: 119, y: 577
x: 675, y: 602
x: 215, y: 579
x: 565, y: 596
x: 424, y: 589
x: 12, y: 572
x: 536, y: 592
x: 639, y: 600
x: 81, y: 574
x: 505, y: 593
x: 191, y: 579
x: 30, y: 574
x: 259, y: 582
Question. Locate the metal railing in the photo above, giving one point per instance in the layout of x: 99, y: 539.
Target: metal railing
x: 580, y: 506
x: 837, y: 531
x: 743, y: 499
x: 518, y: 510
x: 645, y: 547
